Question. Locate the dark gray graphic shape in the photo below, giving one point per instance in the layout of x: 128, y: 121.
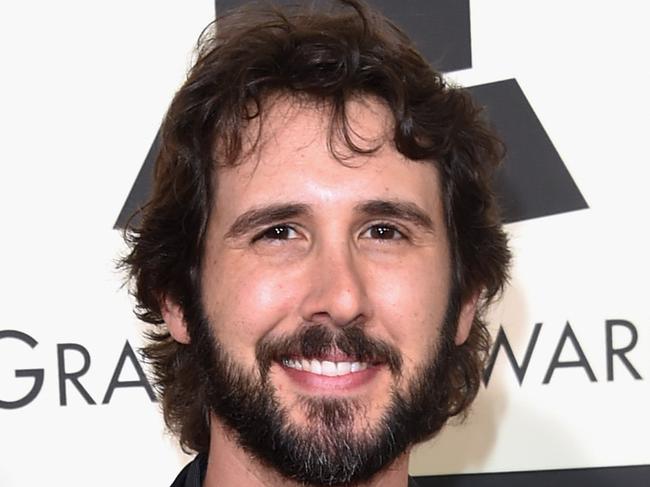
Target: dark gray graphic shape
x: 633, y: 476
x: 141, y: 189
x: 533, y: 182
x: 440, y: 29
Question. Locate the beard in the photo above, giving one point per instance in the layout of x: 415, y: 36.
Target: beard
x: 331, y: 448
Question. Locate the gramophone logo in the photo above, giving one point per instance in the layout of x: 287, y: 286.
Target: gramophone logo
x: 533, y: 182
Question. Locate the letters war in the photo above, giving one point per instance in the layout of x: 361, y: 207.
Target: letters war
x: 616, y: 357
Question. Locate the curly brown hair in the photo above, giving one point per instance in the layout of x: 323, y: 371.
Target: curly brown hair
x: 242, y: 59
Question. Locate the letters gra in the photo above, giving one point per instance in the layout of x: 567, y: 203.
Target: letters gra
x: 72, y: 380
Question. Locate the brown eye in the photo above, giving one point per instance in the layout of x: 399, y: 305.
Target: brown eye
x: 384, y: 232
x: 278, y: 232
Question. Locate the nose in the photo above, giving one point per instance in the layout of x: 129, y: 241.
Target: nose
x: 337, y: 290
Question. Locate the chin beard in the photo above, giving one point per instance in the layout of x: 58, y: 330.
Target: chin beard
x: 337, y: 446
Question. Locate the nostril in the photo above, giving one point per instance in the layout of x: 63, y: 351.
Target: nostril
x: 321, y: 318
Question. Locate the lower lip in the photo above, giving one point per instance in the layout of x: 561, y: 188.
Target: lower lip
x: 315, y: 383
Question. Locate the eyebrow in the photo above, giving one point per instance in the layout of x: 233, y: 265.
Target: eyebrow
x: 264, y: 216
x: 404, y: 210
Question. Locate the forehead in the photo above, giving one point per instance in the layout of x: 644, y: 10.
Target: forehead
x: 294, y: 152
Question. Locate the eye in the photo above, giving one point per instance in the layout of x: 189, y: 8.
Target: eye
x: 383, y: 231
x: 277, y: 232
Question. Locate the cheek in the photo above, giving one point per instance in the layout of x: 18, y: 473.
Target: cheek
x: 411, y: 304
x: 245, y: 303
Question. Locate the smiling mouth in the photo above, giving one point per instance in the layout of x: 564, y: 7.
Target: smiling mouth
x: 325, y: 367
x: 331, y: 373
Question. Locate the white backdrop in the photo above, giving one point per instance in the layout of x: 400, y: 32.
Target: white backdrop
x: 84, y: 88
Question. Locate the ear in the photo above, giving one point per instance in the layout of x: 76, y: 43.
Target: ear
x: 172, y: 313
x: 466, y: 318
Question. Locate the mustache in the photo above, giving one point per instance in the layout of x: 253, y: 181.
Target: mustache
x: 317, y: 341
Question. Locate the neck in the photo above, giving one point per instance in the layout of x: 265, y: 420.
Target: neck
x: 229, y: 464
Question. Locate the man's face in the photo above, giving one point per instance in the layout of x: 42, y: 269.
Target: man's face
x: 326, y: 283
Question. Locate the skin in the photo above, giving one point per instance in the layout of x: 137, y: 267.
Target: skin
x: 327, y: 254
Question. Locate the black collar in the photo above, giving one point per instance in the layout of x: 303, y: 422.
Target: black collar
x: 193, y: 473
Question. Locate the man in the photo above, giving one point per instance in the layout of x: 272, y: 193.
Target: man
x: 318, y: 252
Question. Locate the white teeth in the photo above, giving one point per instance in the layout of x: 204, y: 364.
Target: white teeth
x: 358, y: 366
x: 328, y: 368
x: 343, y: 368
x: 315, y: 367
x: 325, y: 367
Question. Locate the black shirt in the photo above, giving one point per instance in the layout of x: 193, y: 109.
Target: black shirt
x: 194, y: 473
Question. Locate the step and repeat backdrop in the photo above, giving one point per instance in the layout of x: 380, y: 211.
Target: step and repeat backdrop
x: 566, y: 397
